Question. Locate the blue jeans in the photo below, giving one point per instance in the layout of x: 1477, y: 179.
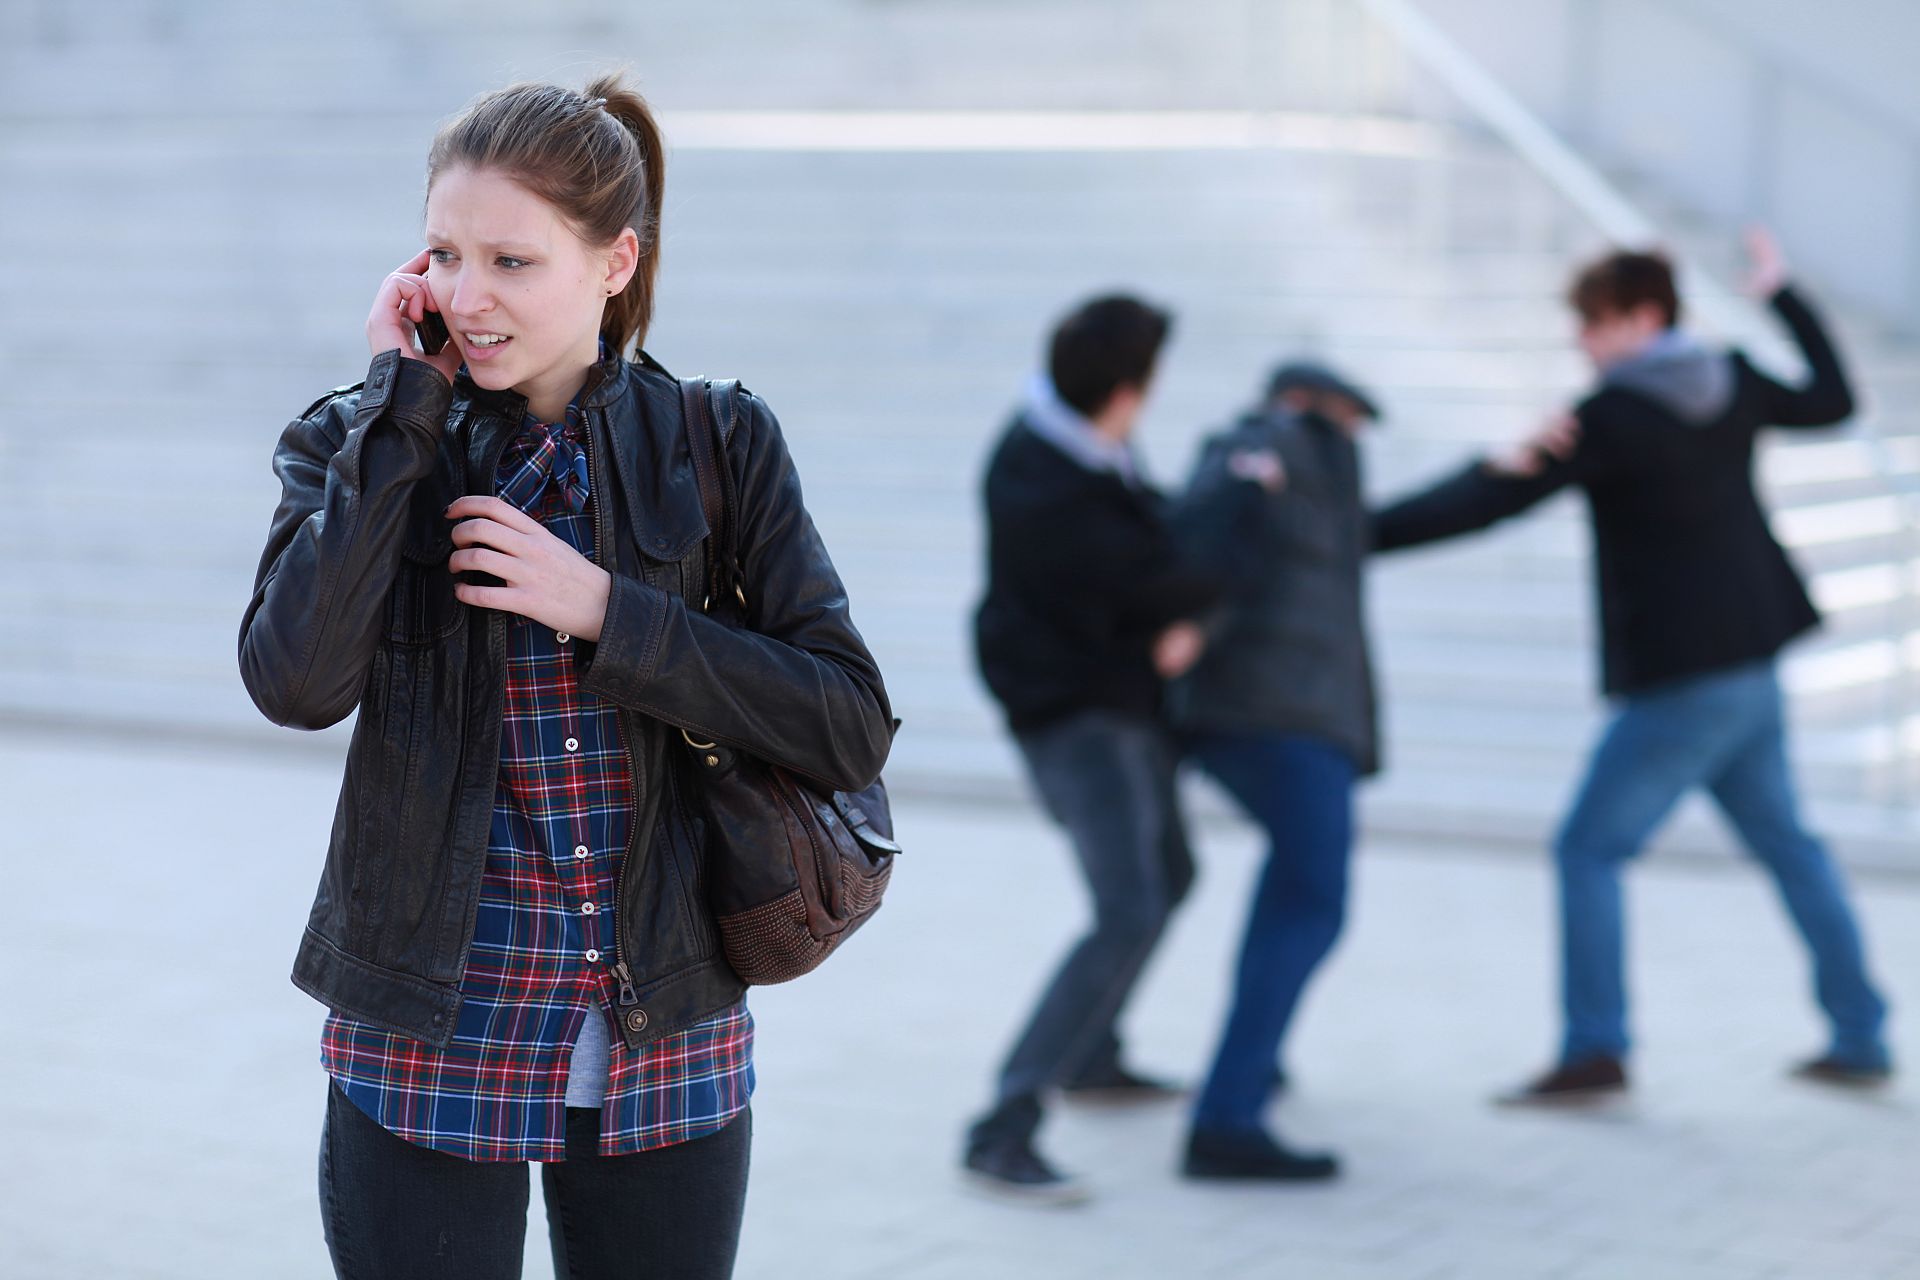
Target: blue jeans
x: 1108, y: 780
x: 1300, y: 789
x: 1725, y: 732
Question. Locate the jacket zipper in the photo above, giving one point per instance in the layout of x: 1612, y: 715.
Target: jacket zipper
x: 496, y: 635
x: 628, y: 998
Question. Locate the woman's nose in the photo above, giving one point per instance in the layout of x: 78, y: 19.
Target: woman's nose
x: 470, y: 296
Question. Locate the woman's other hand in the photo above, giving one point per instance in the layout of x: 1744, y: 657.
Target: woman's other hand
x: 545, y: 579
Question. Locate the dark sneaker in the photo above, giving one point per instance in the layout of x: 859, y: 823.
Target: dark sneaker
x: 1012, y: 1170
x: 1571, y: 1084
x: 1832, y: 1069
x: 1119, y: 1085
x: 1219, y: 1155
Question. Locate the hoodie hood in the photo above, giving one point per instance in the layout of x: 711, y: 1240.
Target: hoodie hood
x: 1692, y: 381
x: 1068, y: 430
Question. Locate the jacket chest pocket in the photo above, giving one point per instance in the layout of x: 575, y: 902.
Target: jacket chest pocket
x: 421, y: 608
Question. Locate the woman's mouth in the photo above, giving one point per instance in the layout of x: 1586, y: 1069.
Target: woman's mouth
x: 484, y: 346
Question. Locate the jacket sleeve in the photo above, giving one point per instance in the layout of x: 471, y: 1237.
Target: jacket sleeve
x: 798, y: 687
x: 1477, y: 496
x: 347, y: 473
x: 1827, y: 397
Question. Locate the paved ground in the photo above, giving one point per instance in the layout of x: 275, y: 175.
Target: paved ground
x: 163, y: 1094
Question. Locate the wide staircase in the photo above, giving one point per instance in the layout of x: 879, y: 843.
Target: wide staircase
x: 876, y: 239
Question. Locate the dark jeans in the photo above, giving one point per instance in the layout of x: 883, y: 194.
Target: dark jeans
x: 1108, y: 779
x: 1300, y: 789
x: 1724, y: 732
x: 391, y: 1209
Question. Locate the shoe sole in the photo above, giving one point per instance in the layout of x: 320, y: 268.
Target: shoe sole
x: 1565, y: 1100
x: 1121, y: 1097
x: 1853, y: 1084
x: 1198, y: 1175
x: 1058, y: 1196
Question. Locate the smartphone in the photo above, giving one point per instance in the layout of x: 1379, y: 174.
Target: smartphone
x: 432, y: 332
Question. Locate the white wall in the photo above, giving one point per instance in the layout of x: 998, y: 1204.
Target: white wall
x: 1801, y: 113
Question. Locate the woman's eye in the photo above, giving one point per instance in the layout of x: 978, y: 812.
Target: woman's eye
x: 512, y: 263
x: 441, y: 256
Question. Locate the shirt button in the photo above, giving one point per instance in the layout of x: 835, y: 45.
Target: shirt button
x: 587, y: 908
x: 593, y: 955
x: 581, y: 851
x: 573, y: 744
x: 562, y: 636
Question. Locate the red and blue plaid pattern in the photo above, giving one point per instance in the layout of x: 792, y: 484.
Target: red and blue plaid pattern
x: 543, y: 942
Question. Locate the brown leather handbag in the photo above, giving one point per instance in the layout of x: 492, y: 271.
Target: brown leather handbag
x: 791, y: 870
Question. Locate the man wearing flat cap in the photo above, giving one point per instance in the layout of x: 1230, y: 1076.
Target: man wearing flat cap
x: 1280, y: 711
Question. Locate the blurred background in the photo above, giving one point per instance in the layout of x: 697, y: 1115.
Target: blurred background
x: 876, y: 208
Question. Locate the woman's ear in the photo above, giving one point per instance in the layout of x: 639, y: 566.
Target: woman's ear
x: 621, y: 260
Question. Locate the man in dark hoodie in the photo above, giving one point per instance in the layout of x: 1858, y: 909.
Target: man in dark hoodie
x: 1696, y: 599
x: 1091, y: 580
x: 1280, y: 711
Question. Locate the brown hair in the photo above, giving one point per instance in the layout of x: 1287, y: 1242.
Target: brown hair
x: 596, y: 156
x: 1621, y: 281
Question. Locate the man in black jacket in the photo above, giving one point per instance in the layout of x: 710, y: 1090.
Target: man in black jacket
x: 1090, y: 578
x: 1696, y: 599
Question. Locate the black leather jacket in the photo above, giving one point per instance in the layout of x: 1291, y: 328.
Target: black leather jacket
x: 353, y: 606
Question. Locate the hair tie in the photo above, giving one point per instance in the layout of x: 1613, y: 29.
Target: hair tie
x: 595, y: 102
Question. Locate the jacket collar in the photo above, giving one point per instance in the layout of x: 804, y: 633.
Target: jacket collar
x: 632, y: 409
x: 605, y: 380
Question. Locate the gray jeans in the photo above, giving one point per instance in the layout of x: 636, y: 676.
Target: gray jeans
x: 1108, y: 780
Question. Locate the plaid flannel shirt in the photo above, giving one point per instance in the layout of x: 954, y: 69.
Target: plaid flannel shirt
x: 543, y: 942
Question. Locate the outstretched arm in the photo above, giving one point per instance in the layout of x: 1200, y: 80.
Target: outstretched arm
x: 1490, y: 489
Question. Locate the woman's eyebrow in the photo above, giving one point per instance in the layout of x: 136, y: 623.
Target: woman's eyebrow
x: 508, y: 246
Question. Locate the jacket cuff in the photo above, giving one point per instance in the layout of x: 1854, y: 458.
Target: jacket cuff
x: 413, y: 390
x: 628, y: 651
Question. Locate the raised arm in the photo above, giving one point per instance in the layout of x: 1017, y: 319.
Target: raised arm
x: 347, y: 471
x: 1826, y: 397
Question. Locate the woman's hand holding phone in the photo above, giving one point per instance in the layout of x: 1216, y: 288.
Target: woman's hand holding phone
x: 405, y: 306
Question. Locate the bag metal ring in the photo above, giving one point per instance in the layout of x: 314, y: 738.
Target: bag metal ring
x: 697, y: 746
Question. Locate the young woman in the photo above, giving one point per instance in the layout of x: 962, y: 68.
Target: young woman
x: 492, y: 553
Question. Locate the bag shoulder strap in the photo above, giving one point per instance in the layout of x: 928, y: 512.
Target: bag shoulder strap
x: 706, y: 445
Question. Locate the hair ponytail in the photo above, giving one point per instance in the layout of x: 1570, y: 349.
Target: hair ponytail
x: 596, y: 156
x: 630, y: 312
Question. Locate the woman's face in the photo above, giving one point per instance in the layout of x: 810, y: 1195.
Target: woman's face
x: 505, y: 265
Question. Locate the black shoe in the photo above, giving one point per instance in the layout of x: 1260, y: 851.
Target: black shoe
x: 1119, y: 1085
x: 1255, y: 1156
x: 1571, y: 1084
x: 1011, y: 1169
x: 1831, y: 1069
